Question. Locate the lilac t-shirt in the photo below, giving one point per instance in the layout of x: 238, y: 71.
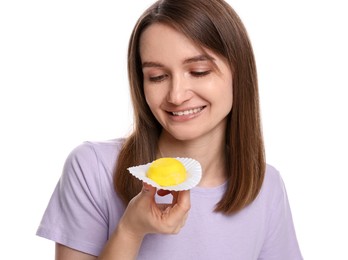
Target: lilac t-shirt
x: 84, y: 211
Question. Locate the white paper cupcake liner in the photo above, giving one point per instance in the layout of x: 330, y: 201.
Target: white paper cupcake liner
x: 193, y: 170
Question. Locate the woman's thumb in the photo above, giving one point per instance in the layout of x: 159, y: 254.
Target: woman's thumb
x: 148, y: 190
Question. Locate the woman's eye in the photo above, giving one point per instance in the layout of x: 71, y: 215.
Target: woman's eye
x: 158, y: 78
x: 200, y: 73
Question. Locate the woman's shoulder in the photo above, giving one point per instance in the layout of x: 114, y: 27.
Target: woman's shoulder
x: 107, y: 146
x: 97, y: 155
x: 272, y: 174
x: 85, y: 188
x: 273, y: 185
x: 101, y: 149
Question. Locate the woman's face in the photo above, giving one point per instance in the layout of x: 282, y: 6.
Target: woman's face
x: 188, y: 88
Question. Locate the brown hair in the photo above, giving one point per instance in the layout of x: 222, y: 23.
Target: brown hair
x: 214, y: 25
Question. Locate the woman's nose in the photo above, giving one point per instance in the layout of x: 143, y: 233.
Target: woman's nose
x: 179, y: 91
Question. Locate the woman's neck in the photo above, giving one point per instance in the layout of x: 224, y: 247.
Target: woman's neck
x: 209, y: 152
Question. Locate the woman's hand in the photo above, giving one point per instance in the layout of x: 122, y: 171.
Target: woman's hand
x: 144, y: 216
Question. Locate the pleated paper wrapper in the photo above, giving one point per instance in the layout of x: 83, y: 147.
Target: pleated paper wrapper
x: 193, y: 171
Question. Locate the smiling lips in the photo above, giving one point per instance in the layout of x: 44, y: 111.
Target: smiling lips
x: 188, y: 112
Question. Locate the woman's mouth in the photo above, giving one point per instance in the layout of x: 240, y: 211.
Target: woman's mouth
x: 188, y: 112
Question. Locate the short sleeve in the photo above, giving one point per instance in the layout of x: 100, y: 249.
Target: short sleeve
x: 75, y: 215
x: 280, y: 241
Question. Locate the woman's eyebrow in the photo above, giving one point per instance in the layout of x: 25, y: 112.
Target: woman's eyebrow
x: 151, y: 64
x: 202, y: 57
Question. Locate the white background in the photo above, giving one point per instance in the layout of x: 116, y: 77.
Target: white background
x: 63, y: 80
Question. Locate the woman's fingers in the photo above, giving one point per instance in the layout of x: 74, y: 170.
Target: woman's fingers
x: 173, y: 217
x: 148, y: 190
x: 183, y: 200
x: 144, y: 216
x: 175, y: 195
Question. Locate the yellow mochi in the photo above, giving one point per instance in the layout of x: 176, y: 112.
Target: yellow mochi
x: 167, y: 172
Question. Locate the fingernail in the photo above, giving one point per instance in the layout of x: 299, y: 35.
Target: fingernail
x: 145, y: 188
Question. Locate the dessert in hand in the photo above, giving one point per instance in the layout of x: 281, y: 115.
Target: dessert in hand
x: 167, y: 172
x: 173, y: 174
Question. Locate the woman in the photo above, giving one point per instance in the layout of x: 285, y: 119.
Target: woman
x: 194, y: 90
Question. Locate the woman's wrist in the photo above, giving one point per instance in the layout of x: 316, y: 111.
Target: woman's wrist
x: 128, y: 232
x: 123, y: 244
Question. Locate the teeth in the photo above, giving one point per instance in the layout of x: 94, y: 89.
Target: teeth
x: 187, y: 112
